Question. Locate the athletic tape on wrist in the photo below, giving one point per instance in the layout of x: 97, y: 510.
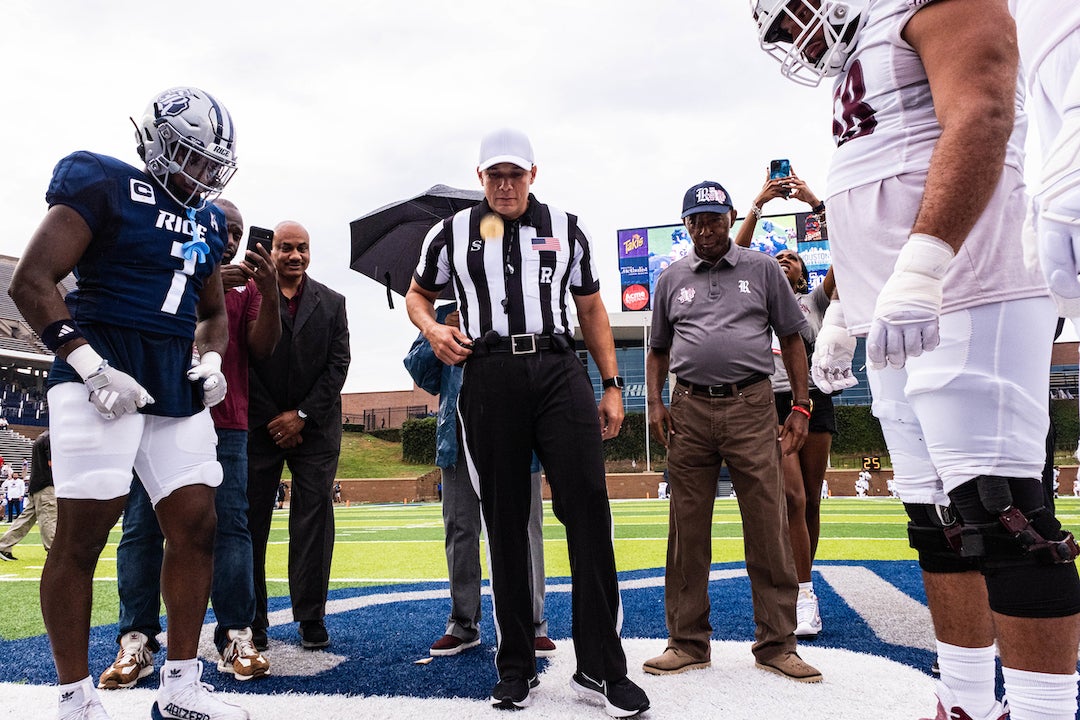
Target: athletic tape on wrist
x: 60, y: 333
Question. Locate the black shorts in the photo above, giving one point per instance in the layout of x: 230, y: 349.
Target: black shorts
x: 823, y: 417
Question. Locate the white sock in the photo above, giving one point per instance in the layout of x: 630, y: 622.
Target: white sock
x: 73, y: 695
x: 181, y: 672
x: 969, y: 674
x: 1040, y: 696
x: 807, y: 586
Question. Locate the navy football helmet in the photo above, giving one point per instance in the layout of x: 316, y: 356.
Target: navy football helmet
x: 188, y: 141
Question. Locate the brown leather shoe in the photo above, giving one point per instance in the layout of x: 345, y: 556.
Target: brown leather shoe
x: 790, y: 665
x: 673, y: 662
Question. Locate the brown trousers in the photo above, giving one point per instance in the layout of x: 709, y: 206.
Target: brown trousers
x: 740, y: 430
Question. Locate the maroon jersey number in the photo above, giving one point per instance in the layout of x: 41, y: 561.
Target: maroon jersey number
x: 852, y: 116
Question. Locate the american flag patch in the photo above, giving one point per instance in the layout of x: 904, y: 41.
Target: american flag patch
x: 546, y: 243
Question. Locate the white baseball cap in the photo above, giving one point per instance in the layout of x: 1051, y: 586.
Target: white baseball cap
x: 506, y: 145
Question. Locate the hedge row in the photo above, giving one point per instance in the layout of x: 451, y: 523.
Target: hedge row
x: 858, y: 433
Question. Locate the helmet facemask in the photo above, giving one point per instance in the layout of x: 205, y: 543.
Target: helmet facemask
x: 837, y: 23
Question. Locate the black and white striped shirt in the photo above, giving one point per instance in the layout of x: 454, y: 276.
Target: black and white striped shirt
x: 518, y: 284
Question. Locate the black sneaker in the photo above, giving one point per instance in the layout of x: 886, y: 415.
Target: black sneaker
x: 313, y: 635
x: 621, y: 698
x: 6, y: 555
x: 512, y: 694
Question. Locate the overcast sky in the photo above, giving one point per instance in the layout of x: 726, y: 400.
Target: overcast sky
x: 342, y: 107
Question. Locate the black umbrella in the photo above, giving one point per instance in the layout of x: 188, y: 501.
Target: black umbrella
x: 386, y: 242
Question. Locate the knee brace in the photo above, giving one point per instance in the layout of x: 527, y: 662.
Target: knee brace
x: 934, y: 531
x: 1027, y: 559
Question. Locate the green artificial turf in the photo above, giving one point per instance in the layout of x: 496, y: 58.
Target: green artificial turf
x: 378, y: 544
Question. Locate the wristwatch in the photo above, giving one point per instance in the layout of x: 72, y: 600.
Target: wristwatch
x: 613, y: 382
x: 808, y: 404
x: 301, y: 414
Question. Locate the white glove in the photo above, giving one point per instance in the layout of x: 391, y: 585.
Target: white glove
x: 1059, y: 250
x: 208, y: 370
x: 908, y: 307
x: 1057, y: 219
x: 830, y: 367
x: 113, y: 392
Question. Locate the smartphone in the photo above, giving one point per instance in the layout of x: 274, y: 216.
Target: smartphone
x: 259, y: 236
x: 779, y: 168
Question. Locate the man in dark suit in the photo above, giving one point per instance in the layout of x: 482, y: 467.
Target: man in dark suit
x: 295, y: 419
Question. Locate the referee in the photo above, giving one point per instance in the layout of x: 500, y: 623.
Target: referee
x: 512, y: 261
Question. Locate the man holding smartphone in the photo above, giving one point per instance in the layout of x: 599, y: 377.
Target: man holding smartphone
x: 294, y: 416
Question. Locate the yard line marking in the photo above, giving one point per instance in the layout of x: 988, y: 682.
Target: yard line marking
x: 908, y: 620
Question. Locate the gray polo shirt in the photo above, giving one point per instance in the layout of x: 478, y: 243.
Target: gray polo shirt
x: 718, y: 320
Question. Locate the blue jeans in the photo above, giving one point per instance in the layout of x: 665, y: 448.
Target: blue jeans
x: 138, y: 557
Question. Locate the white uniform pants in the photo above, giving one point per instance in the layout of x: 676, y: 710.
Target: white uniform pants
x: 978, y: 404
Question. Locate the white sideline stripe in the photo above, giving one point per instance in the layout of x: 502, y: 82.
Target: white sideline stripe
x: 907, y: 621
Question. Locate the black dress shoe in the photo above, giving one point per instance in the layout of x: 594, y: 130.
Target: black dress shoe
x: 313, y: 635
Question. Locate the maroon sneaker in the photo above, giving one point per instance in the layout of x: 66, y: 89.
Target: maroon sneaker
x: 450, y: 645
x: 544, y: 646
x: 955, y: 712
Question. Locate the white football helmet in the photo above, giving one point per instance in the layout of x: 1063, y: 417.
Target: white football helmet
x: 816, y: 39
x: 188, y: 141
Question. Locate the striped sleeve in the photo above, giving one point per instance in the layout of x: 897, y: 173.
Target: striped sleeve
x: 583, y: 276
x: 433, y: 270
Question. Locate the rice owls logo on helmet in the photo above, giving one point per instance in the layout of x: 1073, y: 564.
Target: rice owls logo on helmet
x: 173, y: 102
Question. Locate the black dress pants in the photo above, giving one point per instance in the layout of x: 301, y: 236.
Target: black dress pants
x: 509, y: 406
x: 313, y: 465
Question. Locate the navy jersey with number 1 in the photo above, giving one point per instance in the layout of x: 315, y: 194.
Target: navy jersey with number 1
x: 136, y: 293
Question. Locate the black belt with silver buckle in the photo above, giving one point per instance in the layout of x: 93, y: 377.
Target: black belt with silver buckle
x: 520, y: 344
x: 722, y: 390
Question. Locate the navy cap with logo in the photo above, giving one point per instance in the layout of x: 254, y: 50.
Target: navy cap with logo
x: 707, y: 196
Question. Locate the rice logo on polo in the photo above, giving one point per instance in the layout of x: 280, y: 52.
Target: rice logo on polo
x: 744, y: 286
x: 686, y: 295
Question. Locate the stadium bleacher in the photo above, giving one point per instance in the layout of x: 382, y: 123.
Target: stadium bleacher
x: 24, y: 366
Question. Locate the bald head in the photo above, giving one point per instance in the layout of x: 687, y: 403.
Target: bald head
x: 291, y: 253
x: 235, y: 223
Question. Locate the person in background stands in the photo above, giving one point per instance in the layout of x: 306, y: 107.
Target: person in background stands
x: 42, y: 506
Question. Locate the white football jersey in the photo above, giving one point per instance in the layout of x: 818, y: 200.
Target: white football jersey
x: 1041, y: 25
x: 1048, y: 32
x: 883, y: 115
x: 886, y: 131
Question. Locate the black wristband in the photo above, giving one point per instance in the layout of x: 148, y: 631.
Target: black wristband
x: 60, y: 333
x: 615, y: 381
x: 819, y: 208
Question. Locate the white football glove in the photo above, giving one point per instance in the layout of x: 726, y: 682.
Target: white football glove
x: 830, y: 366
x: 208, y: 371
x: 113, y: 392
x: 906, y: 315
